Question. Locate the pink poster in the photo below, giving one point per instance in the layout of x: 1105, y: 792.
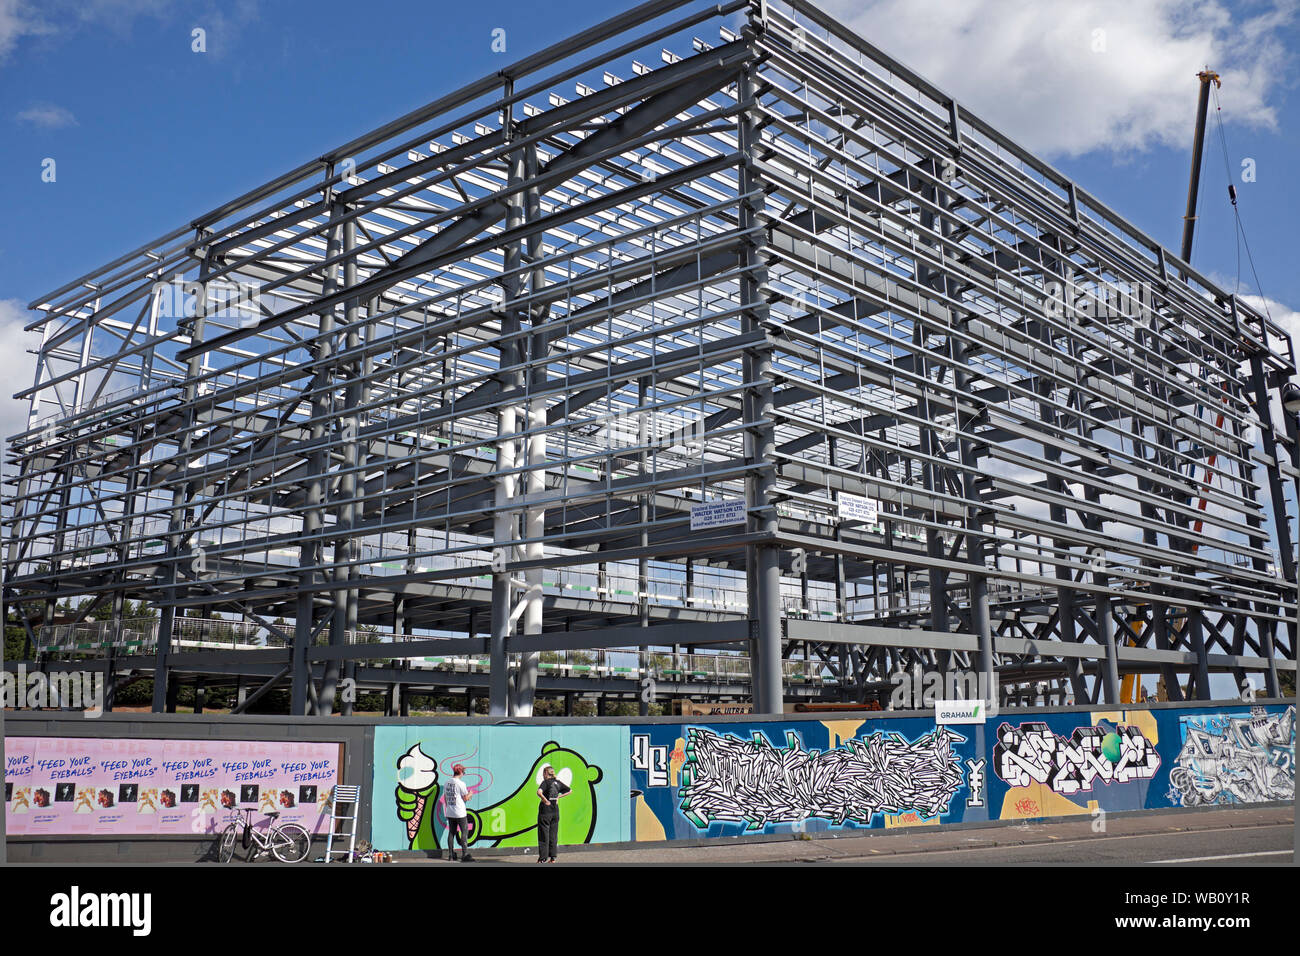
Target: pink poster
x: 75, y: 785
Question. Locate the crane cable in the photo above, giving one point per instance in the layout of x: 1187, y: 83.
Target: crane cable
x: 1242, y: 239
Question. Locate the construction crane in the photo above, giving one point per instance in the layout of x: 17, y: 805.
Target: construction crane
x: 1131, y: 690
x: 1206, y: 76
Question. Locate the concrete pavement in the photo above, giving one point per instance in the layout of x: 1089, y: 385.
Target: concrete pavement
x: 1249, y: 837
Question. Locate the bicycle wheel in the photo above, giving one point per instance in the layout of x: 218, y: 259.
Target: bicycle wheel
x: 226, y: 852
x: 291, y: 843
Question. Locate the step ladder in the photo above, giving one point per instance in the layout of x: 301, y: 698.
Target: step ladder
x: 351, y: 796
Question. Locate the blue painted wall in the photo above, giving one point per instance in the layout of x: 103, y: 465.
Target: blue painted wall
x: 701, y: 779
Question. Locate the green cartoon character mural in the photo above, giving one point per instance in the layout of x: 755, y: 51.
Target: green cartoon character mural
x: 511, y: 821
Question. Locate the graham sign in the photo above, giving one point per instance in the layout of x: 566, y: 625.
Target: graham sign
x: 960, y: 711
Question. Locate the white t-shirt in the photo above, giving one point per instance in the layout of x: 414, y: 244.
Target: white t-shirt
x: 453, y: 798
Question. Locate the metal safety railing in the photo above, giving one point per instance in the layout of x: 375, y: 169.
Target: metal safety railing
x: 140, y: 636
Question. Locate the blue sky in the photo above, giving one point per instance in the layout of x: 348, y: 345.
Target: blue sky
x: 147, y: 134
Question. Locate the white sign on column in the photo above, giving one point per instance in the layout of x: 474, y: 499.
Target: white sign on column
x: 717, y: 514
x: 855, y: 508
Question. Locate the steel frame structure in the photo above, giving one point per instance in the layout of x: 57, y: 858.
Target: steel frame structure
x: 494, y: 352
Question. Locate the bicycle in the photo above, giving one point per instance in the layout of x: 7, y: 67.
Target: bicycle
x: 288, y: 842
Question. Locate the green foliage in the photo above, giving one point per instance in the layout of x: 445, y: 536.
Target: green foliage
x: 139, y: 610
x: 139, y: 694
x: 16, y: 644
x: 554, y: 707
x: 367, y: 634
x: 631, y: 708
x: 568, y: 657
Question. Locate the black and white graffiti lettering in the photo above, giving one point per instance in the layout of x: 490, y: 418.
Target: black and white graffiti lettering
x: 1033, y: 754
x: 1235, y: 759
x: 975, y: 780
x: 730, y: 778
x: 653, y: 760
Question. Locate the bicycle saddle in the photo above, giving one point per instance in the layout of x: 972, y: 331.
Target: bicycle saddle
x: 272, y: 813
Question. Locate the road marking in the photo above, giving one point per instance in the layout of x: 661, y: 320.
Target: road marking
x: 1226, y: 856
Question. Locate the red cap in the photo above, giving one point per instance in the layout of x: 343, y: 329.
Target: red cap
x: 458, y: 768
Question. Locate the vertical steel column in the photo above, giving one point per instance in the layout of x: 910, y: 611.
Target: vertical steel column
x: 769, y: 689
x: 1103, y: 606
x: 930, y: 473
x: 128, y: 511
x: 1196, y: 634
x: 178, y: 521
x: 366, y: 368
x: 344, y: 623
x: 1281, y: 523
x: 643, y: 516
x: 1106, y: 637
x: 1149, y: 339
x: 535, y: 480
x: 129, y: 504
x: 1160, y: 629
x: 1067, y: 625
x: 312, y: 550
x: 976, y: 544
x: 500, y: 701
x: 848, y: 660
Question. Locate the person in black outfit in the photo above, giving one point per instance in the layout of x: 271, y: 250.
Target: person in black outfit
x: 548, y: 815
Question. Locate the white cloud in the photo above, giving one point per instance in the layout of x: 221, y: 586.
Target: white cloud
x: 1028, y: 67
x: 17, y: 20
x: 47, y: 116
x: 26, y: 18
x: 19, y: 367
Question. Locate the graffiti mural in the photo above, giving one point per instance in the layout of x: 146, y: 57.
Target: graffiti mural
x: 729, y: 778
x: 503, y: 771
x: 1032, y: 753
x: 800, y: 776
x: 1235, y: 758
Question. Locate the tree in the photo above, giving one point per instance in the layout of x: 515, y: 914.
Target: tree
x: 367, y: 634
x: 15, y: 648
